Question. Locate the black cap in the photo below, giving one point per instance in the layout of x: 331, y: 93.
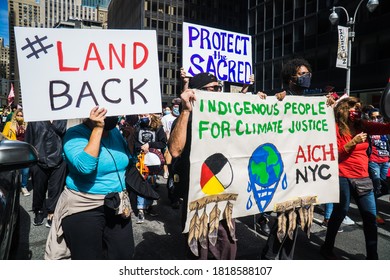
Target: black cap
x: 200, y: 80
x: 176, y: 101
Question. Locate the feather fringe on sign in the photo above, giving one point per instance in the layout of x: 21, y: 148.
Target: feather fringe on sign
x: 193, y: 234
x: 310, y: 212
x: 228, y: 213
x: 203, y: 229
x: 282, y: 225
x: 292, y: 223
x: 214, y: 223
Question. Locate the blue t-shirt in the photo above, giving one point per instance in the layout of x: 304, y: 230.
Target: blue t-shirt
x: 100, y: 175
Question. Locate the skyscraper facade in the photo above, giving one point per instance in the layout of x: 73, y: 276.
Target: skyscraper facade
x: 96, y: 3
x: 4, y: 72
x: 25, y: 13
x: 283, y: 29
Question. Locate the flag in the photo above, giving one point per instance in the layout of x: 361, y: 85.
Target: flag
x: 342, y: 49
x: 11, y: 95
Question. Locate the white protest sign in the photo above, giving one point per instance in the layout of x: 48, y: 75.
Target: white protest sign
x: 227, y: 55
x: 252, y: 153
x: 64, y: 73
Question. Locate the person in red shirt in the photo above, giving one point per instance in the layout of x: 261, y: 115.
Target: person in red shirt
x: 354, y: 178
x: 378, y: 164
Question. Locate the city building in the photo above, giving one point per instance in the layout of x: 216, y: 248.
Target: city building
x: 4, y: 72
x: 79, y: 24
x: 166, y: 17
x: 96, y: 3
x: 24, y: 13
x: 283, y: 29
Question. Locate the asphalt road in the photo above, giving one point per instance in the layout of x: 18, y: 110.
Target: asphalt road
x: 160, y: 238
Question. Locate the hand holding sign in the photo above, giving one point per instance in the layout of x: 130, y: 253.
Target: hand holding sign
x: 188, y: 97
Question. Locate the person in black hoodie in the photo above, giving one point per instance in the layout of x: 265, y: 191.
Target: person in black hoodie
x: 50, y: 172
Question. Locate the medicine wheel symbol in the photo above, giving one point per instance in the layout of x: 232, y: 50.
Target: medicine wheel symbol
x: 216, y: 174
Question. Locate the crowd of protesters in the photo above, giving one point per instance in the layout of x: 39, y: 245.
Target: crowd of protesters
x: 81, y: 168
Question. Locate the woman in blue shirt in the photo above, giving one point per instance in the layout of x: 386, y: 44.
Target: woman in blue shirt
x: 97, y: 158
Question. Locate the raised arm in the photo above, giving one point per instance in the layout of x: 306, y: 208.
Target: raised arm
x: 178, y: 137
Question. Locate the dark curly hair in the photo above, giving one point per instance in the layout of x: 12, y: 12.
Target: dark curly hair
x: 291, y: 67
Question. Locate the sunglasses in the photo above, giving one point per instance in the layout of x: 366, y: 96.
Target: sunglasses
x: 212, y: 88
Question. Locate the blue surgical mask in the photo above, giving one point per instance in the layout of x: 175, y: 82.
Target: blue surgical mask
x: 175, y: 111
x: 304, y: 81
x: 167, y: 112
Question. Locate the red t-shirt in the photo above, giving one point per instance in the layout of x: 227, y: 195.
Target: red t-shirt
x: 354, y: 164
x: 379, y: 152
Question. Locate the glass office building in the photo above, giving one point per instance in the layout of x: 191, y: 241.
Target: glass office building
x: 283, y: 29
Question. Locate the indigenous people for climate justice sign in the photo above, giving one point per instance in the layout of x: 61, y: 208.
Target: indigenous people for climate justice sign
x: 66, y: 72
x: 227, y: 55
x: 249, y: 154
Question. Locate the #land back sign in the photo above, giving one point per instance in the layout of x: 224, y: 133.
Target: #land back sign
x: 251, y: 154
x: 225, y: 54
x: 64, y: 73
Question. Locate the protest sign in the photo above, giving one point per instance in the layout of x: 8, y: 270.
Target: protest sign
x: 227, y: 55
x: 250, y: 154
x: 64, y: 73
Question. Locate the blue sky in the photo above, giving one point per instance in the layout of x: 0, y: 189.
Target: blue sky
x: 4, y: 21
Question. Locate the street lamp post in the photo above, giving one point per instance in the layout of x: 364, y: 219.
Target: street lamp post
x: 334, y: 17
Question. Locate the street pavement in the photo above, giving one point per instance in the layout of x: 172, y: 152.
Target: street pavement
x: 160, y: 237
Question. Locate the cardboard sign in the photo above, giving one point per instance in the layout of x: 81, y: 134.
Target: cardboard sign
x: 64, y: 73
x: 252, y: 153
x: 225, y: 54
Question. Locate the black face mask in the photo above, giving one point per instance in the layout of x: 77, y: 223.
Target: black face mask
x: 110, y: 123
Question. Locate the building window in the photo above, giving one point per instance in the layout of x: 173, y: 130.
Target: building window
x: 168, y: 89
x: 171, y: 10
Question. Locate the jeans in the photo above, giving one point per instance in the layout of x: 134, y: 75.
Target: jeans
x: 378, y: 175
x: 328, y: 210
x: 25, y: 174
x: 367, y: 209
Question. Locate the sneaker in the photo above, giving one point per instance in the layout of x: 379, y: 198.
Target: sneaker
x: 48, y: 223
x: 262, y: 226
x: 348, y: 221
x: 140, y: 217
x: 380, y: 220
x: 150, y: 211
x: 165, y: 175
x: 38, y: 219
x: 25, y: 192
